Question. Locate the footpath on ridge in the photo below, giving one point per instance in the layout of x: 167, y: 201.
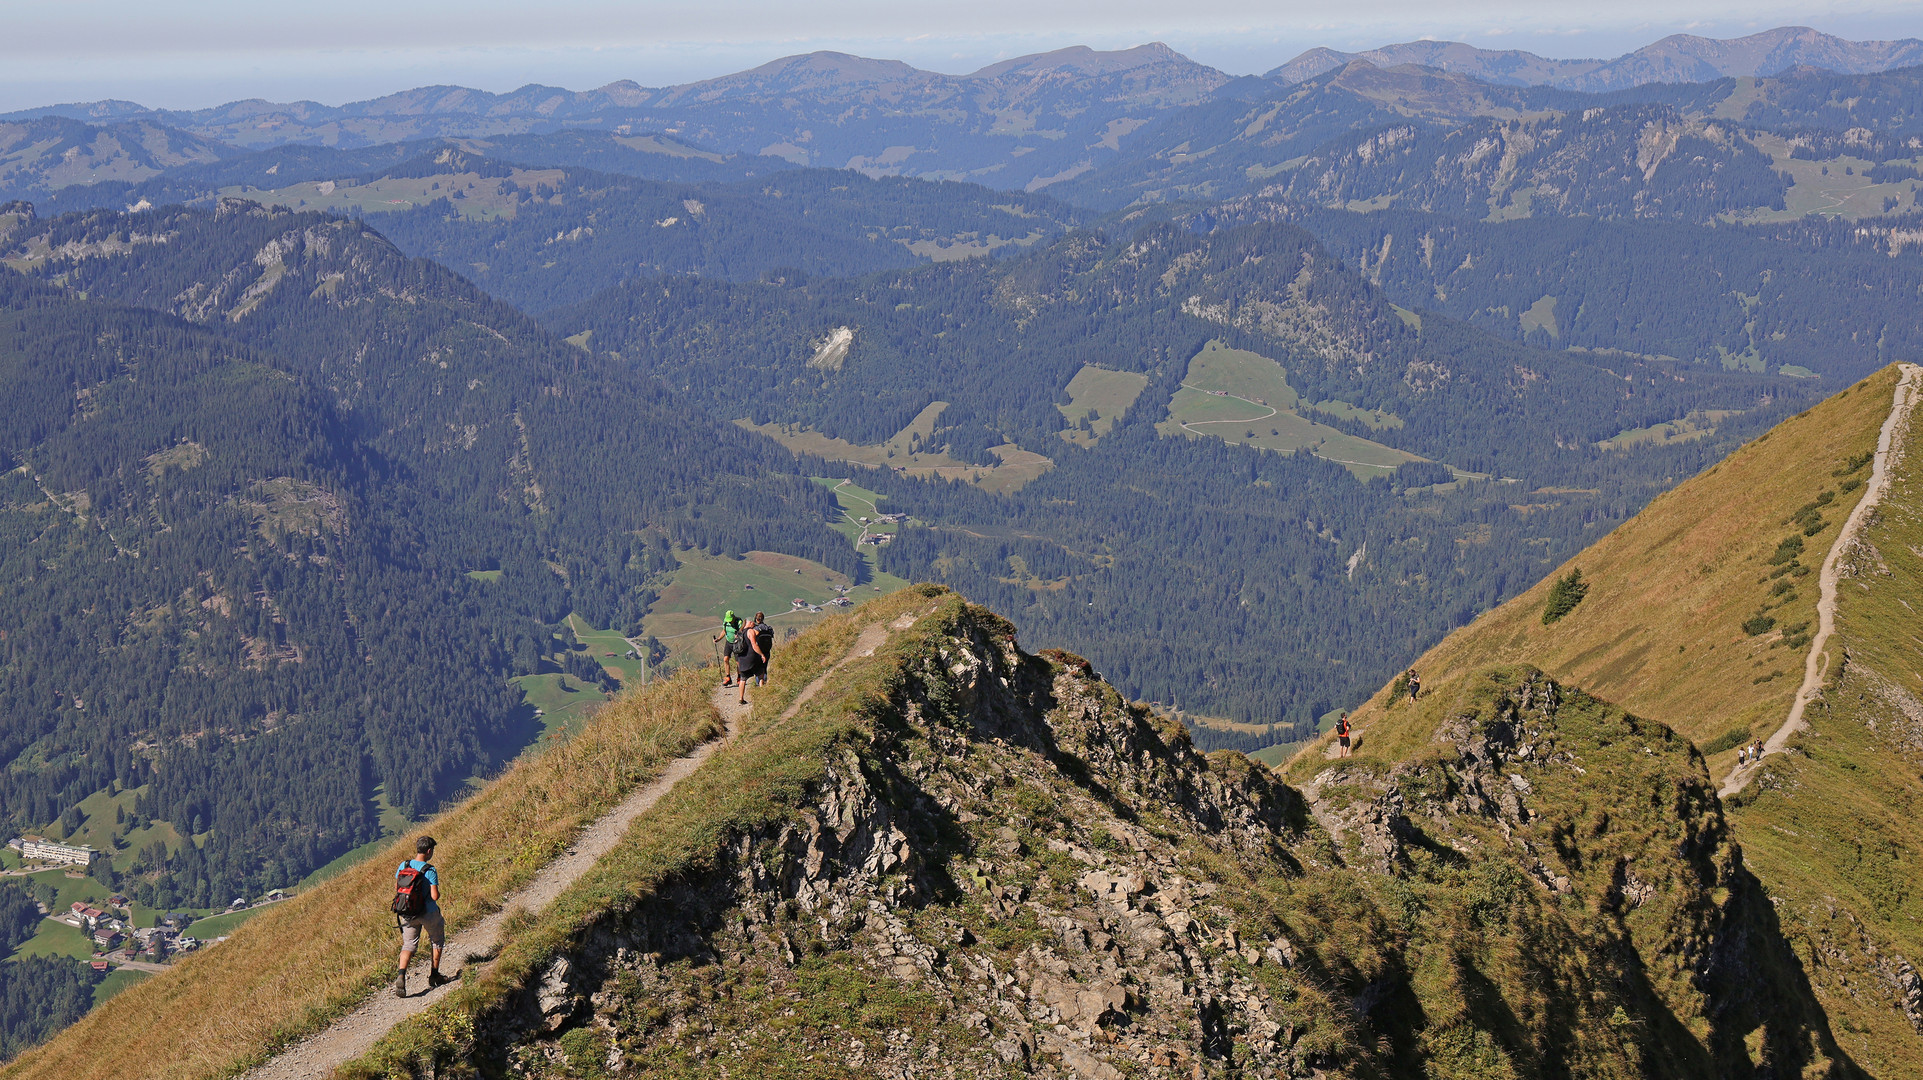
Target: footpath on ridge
x: 356, y: 1033
x: 1889, y: 449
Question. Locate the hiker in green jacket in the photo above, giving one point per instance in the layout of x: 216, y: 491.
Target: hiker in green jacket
x: 725, y: 642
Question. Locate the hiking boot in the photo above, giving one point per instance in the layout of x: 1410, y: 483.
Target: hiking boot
x: 435, y: 978
x: 400, y: 985
x: 729, y: 681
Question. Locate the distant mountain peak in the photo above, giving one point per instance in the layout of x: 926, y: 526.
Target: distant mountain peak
x: 1086, y: 61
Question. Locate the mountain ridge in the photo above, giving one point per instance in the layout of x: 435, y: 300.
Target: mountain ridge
x: 1679, y: 58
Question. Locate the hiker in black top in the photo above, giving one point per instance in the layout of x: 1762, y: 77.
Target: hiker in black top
x: 752, y: 647
x: 417, y: 908
x: 1415, y: 684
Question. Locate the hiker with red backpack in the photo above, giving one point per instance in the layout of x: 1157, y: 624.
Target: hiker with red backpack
x: 417, y: 907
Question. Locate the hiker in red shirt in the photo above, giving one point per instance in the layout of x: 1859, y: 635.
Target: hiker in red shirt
x: 1342, y: 733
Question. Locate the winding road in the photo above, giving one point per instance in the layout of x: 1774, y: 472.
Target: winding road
x: 1889, y: 450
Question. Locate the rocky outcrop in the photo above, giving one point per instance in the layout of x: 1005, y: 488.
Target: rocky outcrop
x: 1009, y: 870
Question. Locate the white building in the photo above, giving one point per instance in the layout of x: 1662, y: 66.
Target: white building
x: 59, y: 853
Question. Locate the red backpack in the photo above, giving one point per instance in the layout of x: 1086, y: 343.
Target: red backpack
x: 411, y: 891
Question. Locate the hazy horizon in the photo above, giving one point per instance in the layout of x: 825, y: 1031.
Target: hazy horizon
x: 228, y: 51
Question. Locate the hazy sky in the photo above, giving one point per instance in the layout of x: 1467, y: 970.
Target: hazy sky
x: 182, y: 55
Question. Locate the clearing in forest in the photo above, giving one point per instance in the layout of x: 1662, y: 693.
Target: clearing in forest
x: 1836, y: 187
x: 1244, y: 397
x: 687, y: 614
x: 913, y: 450
x: 479, y: 198
x: 1099, y: 396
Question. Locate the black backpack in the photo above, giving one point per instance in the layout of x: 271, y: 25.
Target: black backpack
x: 411, y: 891
x: 765, y: 637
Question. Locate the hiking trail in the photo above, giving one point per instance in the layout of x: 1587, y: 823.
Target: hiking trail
x: 356, y: 1033
x: 1889, y: 448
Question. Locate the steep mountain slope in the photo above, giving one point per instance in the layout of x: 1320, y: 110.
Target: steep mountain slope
x: 1698, y: 613
x: 1253, y: 131
x: 1224, y: 577
x: 1675, y: 59
x: 1719, y: 295
x: 1642, y: 161
x: 959, y: 854
x: 1806, y: 142
x: 541, y: 238
x: 245, y: 496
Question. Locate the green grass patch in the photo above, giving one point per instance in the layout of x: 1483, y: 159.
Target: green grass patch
x: 1244, y: 397
x: 565, y: 702
x: 1542, y: 316
x: 221, y: 925
x: 1695, y: 426
x: 1100, y: 396
x: 117, y: 980
x: 55, y: 938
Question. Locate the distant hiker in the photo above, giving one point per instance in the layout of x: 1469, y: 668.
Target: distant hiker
x: 1742, y: 756
x: 725, y: 642
x: 1415, y: 684
x: 1756, y: 753
x: 1342, y: 733
x: 752, y: 646
x: 417, y: 907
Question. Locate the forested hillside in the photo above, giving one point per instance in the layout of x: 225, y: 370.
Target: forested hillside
x: 1639, y: 161
x: 1755, y: 298
x: 566, y: 235
x: 250, y: 475
x: 1235, y: 581
x: 650, y: 157
x: 540, y: 236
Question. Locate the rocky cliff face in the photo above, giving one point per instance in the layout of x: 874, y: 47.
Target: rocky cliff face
x: 1001, y: 868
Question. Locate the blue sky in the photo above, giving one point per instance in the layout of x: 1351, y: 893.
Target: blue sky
x: 184, y: 55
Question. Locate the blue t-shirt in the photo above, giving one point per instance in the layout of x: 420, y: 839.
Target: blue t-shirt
x: 433, y: 877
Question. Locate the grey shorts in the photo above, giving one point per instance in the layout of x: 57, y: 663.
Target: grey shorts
x: 431, y: 922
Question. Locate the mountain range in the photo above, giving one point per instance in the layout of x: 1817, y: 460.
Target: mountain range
x: 1679, y: 58
x: 386, y: 467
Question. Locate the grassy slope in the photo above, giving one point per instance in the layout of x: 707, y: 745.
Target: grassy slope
x: 757, y: 778
x: 1660, y: 631
x: 1832, y: 826
x: 1481, y: 950
x: 1829, y: 829
x: 295, y: 966
x: 1017, y: 466
x: 1258, y: 384
x: 1102, y: 396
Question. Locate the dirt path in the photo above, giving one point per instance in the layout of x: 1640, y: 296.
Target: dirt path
x: 1889, y: 447
x: 355, y: 1034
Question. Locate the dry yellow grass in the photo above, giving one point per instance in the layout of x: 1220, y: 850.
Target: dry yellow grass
x: 293, y: 968
x: 1660, y: 631
x: 759, y: 776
